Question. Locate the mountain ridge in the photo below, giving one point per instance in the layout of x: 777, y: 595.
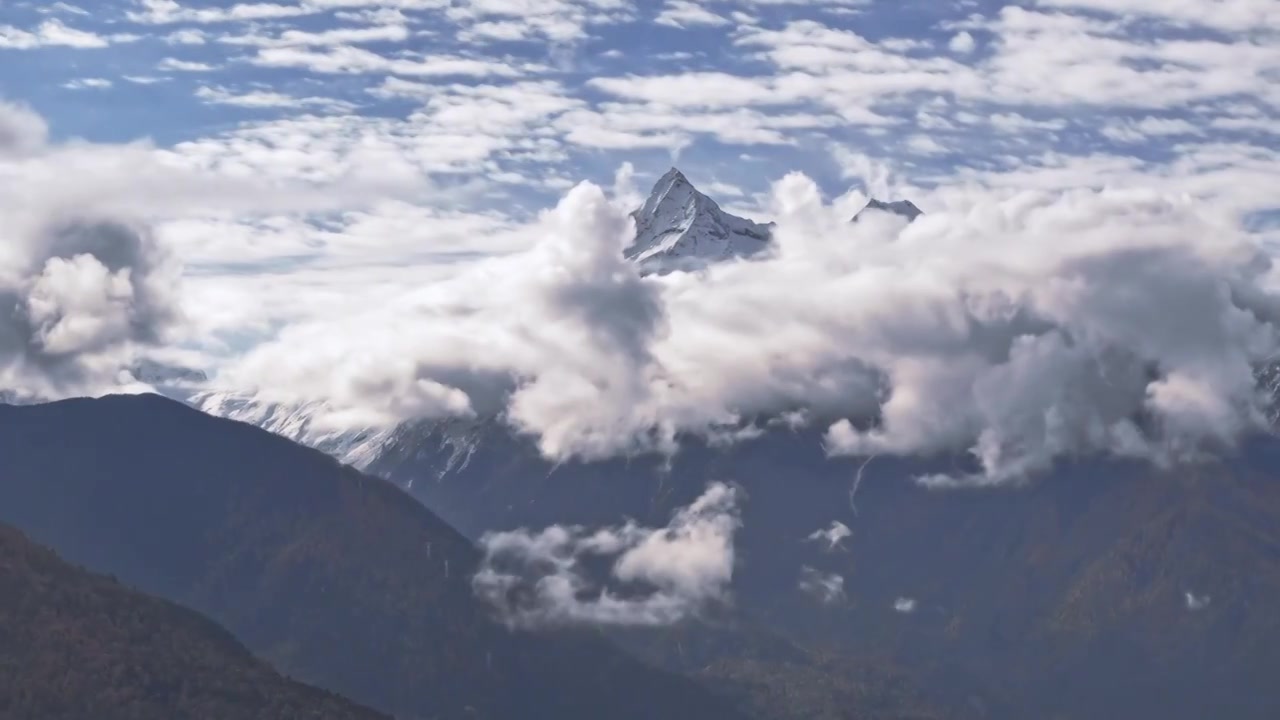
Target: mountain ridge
x: 337, y: 578
x: 136, y: 657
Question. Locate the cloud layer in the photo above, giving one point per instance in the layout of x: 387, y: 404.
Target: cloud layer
x: 1016, y: 327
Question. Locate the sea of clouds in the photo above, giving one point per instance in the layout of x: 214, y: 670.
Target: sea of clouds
x: 1019, y: 327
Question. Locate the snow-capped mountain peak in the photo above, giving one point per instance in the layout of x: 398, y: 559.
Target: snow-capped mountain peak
x: 679, y: 228
x: 903, y: 208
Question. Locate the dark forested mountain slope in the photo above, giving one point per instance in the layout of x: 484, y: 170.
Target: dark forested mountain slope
x: 1103, y: 589
x: 338, y: 579
x: 75, y: 645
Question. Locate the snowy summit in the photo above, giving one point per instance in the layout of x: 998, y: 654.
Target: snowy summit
x: 904, y: 208
x: 679, y: 228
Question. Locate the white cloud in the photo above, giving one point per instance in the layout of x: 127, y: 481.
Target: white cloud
x: 904, y: 605
x: 826, y: 588
x: 1017, y: 329
x: 21, y: 130
x: 1033, y: 212
x: 177, y: 65
x: 1227, y: 15
x: 925, y: 145
x: 962, y: 42
x: 82, y: 296
x: 558, y: 21
x: 346, y: 59
x: 660, y: 576
x: 1148, y: 128
x: 49, y: 32
x: 188, y: 36
x: 832, y: 536
x: 683, y: 13
x: 88, y: 268
x: 88, y: 84
x: 162, y: 12
x: 393, y: 33
x: 62, y: 7
x: 268, y: 99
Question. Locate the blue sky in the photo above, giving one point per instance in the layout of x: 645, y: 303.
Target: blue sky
x: 376, y: 204
x: 741, y: 91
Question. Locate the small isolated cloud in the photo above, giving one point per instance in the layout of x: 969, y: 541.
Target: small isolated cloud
x: 657, y: 576
x: 832, y: 536
x: 826, y: 588
x: 904, y: 605
x: 189, y: 36
x: 962, y: 43
x: 88, y: 84
x: 176, y: 65
x: 1197, y: 602
x: 684, y: 13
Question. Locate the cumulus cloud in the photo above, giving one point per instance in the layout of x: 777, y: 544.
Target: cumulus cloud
x: 656, y: 576
x: 1016, y: 328
x: 826, y: 588
x: 82, y: 289
x: 78, y: 299
x: 904, y: 605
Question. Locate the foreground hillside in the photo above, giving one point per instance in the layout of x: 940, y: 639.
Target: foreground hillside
x: 338, y: 579
x: 75, y: 645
